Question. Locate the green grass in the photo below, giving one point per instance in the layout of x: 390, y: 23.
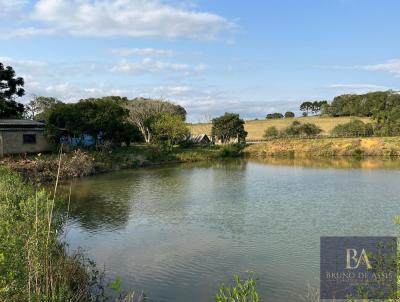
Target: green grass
x: 257, y: 128
x: 34, y: 265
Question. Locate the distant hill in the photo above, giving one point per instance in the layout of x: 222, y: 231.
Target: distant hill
x: 256, y: 128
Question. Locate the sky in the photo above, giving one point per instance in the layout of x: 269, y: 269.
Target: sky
x: 211, y: 56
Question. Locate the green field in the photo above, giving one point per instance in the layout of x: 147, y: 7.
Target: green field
x: 256, y: 128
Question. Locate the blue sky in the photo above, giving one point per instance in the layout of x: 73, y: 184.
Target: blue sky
x: 250, y: 57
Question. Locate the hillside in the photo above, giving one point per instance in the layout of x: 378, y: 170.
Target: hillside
x: 256, y: 128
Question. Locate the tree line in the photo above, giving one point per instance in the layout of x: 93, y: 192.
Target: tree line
x: 112, y: 119
x: 382, y: 107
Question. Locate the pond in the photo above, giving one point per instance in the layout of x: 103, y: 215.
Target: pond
x: 176, y: 232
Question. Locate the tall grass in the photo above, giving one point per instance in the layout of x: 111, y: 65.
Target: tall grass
x: 34, y: 264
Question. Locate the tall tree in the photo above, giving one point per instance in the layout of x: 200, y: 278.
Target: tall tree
x: 227, y: 127
x: 39, y: 105
x: 141, y: 110
x: 11, y: 109
x: 11, y: 87
x: 306, y: 107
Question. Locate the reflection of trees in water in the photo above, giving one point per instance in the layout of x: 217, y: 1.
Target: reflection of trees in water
x: 98, y: 205
x: 232, y: 163
x: 337, y: 162
x: 169, y: 195
x: 220, y: 191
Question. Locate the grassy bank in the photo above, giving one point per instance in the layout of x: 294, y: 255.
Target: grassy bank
x: 357, y: 147
x: 256, y: 129
x: 80, y: 163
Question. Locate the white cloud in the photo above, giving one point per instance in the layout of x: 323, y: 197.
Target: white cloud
x: 358, y: 86
x: 144, y: 52
x: 391, y: 66
x: 131, y: 18
x: 8, y: 33
x: 23, y: 63
x: 148, y: 65
x: 28, y: 69
x: 9, y: 7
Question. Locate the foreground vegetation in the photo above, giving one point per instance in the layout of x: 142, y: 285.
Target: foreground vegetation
x: 34, y: 265
x: 86, y: 162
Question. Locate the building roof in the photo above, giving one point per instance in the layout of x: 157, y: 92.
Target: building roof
x: 200, y: 138
x: 20, y: 123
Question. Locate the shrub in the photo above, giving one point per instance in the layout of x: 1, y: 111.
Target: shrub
x: 271, y: 132
x: 298, y: 129
x: 242, y: 291
x: 289, y: 114
x: 80, y: 164
x: 233, y: 150
x: 272, y: 116
x: 353, y: 128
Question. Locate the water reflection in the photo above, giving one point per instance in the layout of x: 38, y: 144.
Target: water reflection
x: 336, y: 163
x: 176, y: 232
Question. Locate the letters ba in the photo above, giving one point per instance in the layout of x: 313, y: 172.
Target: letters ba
x: 358, y: 267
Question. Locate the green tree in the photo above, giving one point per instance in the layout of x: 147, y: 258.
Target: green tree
x: 271, y: 132
x: 39, y: 105
x: 11, y: 87
x: 317, y: 106
x: 275, y: 115
x: 299, y: 129
x: 306, y: 107
x: 353, y: 128
x: 168, y: 129
x: 289, y: 114
x: 227, y: 127
x: 141, y: 110
x: 105, y: 118
x: 11, y: 109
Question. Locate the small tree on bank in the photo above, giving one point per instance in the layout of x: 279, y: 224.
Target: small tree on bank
x: 168, y: 129
x: 227, y: 128
x: 142, y: 110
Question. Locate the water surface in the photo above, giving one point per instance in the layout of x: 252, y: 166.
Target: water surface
x: 176, y: 232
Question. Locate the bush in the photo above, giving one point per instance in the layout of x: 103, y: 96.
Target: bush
x: 353, y: 128
x: 296, y: 129
x: 272, y: 116
x: 271, y: 132
x: 289, y: 114
x: 242, y: 291
x: 79, y: 164
x: 233, y: 150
